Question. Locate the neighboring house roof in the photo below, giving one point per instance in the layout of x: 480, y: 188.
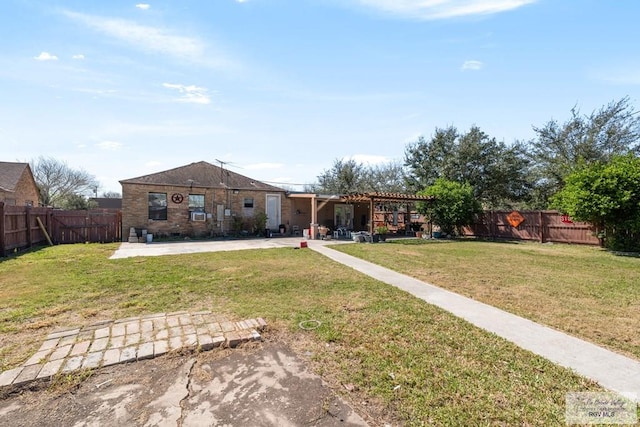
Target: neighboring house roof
x: 107, y: 202
x: 10, y: 174
x: 202, y: 174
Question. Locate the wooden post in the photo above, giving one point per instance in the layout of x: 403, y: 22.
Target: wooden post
x: 27, y: 219
x: 44, y: 230
x: 2, y: 231
x: 49, y: 222
x: 371, y: 213
x: 541, y: 221
x: 492, y: 225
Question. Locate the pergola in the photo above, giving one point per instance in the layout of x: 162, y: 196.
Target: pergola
x: 381, y: 197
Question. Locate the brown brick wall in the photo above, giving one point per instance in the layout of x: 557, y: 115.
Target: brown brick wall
x: 26, y: 192
x: 135, y: 210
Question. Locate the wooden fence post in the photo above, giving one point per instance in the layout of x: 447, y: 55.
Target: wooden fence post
x: 27, y: 220
x: 2, y: 231
x: 492, y: 225
x: 49, y: 225
x: 541, y: 221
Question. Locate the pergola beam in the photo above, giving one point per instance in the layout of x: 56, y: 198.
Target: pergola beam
x: 382, y: 197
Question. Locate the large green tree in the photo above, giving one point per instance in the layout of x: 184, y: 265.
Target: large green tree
x: 561, y: 148
x: 607, y: 194
x: 498, y: 174
x: 454, y: 207
x: 386, y: 177
x: 350, y: 176
x: 345, y: 176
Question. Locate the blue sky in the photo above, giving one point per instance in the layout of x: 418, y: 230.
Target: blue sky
x: 282, y: 88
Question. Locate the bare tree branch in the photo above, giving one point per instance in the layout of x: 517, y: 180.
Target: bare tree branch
x: 59, y: 183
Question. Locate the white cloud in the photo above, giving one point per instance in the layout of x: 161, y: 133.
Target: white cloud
x: 143, y: 6
x: 443, y: 9
x: 45, y: 56
x: 257, y: 166
x: 192, y: 94
x: 78, y: 56
x: 153, y: 40
x: 471, y: 65
x: 147, y: 38
x: 623, y: 74
x: 109, y: 145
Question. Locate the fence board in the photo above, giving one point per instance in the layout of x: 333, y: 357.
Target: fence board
x: 19, y: 227
x: 541, y: 226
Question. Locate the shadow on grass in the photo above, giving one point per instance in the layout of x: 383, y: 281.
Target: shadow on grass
x: 624, y: 254
x: 15, y: 253
x: 458, y: 240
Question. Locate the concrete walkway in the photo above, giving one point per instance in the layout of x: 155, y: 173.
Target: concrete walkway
x: 611, y: 370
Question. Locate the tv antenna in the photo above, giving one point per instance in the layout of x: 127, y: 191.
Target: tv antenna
x: 232, y: 164
x: 221, y: 170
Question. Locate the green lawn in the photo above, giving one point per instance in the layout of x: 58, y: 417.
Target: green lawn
x: 389, y: 353
x: 582, y: 290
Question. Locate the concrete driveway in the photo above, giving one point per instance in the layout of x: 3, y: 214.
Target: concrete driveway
x: 127, y: 250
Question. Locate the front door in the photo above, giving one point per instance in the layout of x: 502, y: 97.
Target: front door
x: 273, y: 211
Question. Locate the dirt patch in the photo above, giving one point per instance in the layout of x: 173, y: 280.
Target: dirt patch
x: 257, y: 385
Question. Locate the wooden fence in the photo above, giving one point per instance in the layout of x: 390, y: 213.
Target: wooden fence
x: 22, y: 227
x: 541, y: 226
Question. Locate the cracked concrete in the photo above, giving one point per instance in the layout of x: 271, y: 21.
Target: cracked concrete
x: 168, y: 408
x: 185, y: 398
x: 258, y: 385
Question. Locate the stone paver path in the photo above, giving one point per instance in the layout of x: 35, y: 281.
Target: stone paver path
x: 126, y: 340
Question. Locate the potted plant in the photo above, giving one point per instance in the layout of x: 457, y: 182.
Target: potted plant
x: 381, y: 232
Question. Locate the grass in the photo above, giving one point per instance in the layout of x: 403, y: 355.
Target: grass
x: 582, y: 290
x: 401, y: 360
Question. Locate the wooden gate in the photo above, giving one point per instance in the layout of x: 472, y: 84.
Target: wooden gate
x: 86, y: 226
x: 22, y: 227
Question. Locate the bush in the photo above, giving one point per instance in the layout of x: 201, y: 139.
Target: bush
x: 608, y: 196
x: 453, y: 208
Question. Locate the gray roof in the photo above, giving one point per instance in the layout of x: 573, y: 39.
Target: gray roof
x: 202, y: 174
x: 10, y: 174
x: 107, y: 202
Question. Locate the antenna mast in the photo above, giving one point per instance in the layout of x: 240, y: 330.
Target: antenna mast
x: 221, y: 170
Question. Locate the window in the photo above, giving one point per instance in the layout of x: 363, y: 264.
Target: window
x: 158, y: 206
x: 196, y: 202
x: 248, y: 202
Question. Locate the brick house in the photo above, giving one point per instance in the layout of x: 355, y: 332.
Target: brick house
x: 17, y: 186
x: 200, y: 199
